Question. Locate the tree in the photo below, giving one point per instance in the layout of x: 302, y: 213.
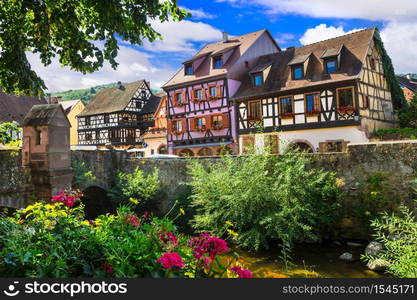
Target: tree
x: 6, y: 132
x: 408, y: 115
x: 82, y: 33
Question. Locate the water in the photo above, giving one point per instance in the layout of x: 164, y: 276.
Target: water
x: 309, y: 261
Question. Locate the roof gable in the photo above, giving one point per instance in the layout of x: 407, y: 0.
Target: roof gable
x: 43, y: 115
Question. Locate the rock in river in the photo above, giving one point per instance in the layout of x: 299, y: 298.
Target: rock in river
x: 379, y: 265
x: 374, y: 248
x: 346, y: 256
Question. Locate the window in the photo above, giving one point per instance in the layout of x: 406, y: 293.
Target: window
x: 213, y: 91
x: 88, y: 136
x: 189, y: 69
x: 366, y: 102
x: 255, y: 110
x: 200, y: 123
x: 138, y: 104
x: 372, y: 63
x: 258, y: 79
x: 87, y: 121
x: 345, y: 97
x: 205, y: 152
x: 312, y: 103
x: 198, y: 94
x: 179, y: 98
x: 217, y: 62
x: 143, y: 94
x: 217, y: 122
x: 106, y: 119
x: 297, y: 72
x: 286, y: 106
x: 38, y: 138
x: 331, y: 66
x: 177, y: 126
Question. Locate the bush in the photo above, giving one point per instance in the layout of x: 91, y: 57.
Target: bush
x: 264, y: 197
x: 54, y: 240
x: 408, y: 115
x: 398, y: 233
x: 82, y: 178
x: 134, y: 187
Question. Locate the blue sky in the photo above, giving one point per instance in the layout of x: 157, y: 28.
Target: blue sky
x: 291, y: 23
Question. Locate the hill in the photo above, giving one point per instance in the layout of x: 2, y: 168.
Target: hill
x: 85, y: 94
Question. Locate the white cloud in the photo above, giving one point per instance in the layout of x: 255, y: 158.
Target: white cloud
x: 133, y: 65
x: 181, y: 36
x: 322, y: 32
x: 284, y: 38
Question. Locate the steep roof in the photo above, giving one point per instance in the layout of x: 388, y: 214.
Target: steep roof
x: 408, y: 83
x: 151, y: 106
x: 238, y: 43
x: 14, y: 108
x: 353, y: 47
x: 112, y: 99
x: 42, y: 114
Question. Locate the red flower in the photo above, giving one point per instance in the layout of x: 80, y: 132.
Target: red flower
x: 133, y: 220
x: 206, y: 244
x: 108, y: 269
x: 242, y: 273
x: 69, y: 198
x: 170, y: 260
x: 169, y: 238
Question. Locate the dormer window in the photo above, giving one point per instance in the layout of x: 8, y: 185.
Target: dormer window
x: 258, y: 79
x: 331, y: 65
x: 217, y: 62
x: 297, y: 72
x: 189, y: 69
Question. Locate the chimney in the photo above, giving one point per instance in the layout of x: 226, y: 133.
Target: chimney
x: 120, y: 86
x: 225, y: 37
x: 408, y: 76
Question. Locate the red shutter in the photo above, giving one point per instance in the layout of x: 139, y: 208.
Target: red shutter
x: 204, y: 94
x: 192, y: 124
x: 184, y: 125
x: 208, y: 122
x: 317, y: 103
x: 174, y: 100
x: 219, y: 91
x: 225, y: 120
x: 184, y: 99
x: 169, y: 126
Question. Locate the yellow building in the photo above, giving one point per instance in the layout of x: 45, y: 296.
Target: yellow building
x: 155, y: 137
x: 72, y: 108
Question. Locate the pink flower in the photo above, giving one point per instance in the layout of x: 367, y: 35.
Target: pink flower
x: 242, y: 273
x: 206, y: 244
x: 69, y: 201
x: 133, y: 220
x: 170, y: 260
x: 69, y: 198
x: 169, y: 238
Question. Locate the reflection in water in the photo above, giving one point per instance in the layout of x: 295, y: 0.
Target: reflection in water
x: 308, y: 261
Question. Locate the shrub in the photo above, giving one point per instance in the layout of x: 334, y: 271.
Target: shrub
x: 408, y: 115
x: 82, y: 176
x: 54, y: 240
x: 264, y: 197
x: 134, y: 187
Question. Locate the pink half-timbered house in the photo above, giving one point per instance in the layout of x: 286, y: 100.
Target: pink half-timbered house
x: 201, y: 119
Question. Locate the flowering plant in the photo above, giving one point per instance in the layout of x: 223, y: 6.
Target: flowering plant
x: 287, y: 115
x: 313, y: 112
x: 68, y: 197
x: 346, y: 108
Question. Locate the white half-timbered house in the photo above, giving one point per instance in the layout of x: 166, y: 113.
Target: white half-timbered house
x: 118, y: 116
x: 318, y: 97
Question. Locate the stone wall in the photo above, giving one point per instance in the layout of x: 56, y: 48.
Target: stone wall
x: 15, y: 182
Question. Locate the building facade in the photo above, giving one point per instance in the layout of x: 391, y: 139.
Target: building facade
x: 155, y: 137
x: 73, y: 108
x: 318, y: 97
x: 117, y: 117
x: 201, y: 118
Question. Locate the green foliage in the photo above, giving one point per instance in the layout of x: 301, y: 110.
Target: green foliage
x: 6, y: 132
x: 82, y: 34
x: 398, y: 98
x: 265, y: 197
x: 82, y: 177
x: 406, y: 132
x: 408, y: 116
x: 398, y: 233
x: 135, y: 187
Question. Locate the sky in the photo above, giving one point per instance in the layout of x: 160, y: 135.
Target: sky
x: 291, y: 23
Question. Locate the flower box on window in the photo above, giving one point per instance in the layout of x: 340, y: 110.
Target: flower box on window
x: 212, y: 98
x: 217, y: 127
x: 201, y: 129
x: 344, y: 109
x: 256, y: 118
x: 175, y: 132
x: 312, y: 112
x: 287, y: 115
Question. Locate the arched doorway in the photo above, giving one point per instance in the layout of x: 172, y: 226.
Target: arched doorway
x: 302, y: 146
x: 162, y: 149
x: 224, y: 150
x: 186, y: 152
x: 205, y: 152
x: 96, y: 202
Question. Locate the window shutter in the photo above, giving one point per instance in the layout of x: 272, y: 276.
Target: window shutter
x: 184, y: 125
x: 169, y: 126
x: 218, y: 90
x: 204, y: 93
x: 225, y: 120
x: 192, y: 124
x: 208, y: 122
x: 317, y: 105
x: 184, y: 99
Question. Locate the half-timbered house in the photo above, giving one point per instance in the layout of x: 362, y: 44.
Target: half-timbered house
x: 201, y: 119
x: 118, y: 116
x: 317, y: 97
